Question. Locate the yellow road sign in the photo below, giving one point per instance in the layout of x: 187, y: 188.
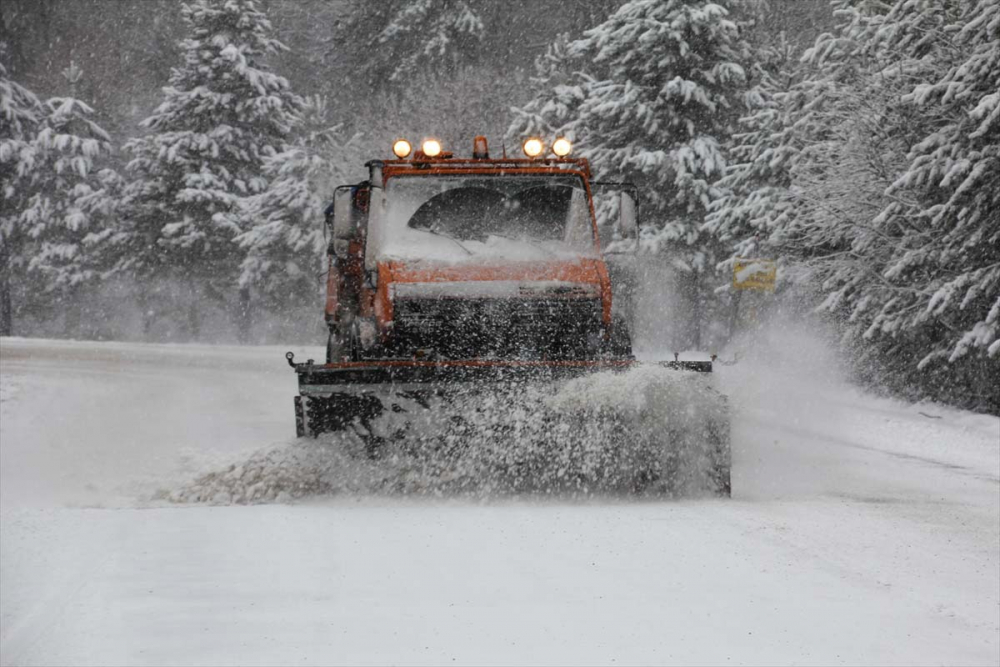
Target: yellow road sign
x: 754, y: 274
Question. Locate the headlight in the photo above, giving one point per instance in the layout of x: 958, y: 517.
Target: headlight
x: 533, y: 147
x: 431, y: 147
x: 401, y: 148
x: 562, y: 146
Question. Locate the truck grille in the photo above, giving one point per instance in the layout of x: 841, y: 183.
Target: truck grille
x: 541, y: 328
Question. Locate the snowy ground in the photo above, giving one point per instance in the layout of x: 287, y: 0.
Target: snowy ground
x: 861, y: 532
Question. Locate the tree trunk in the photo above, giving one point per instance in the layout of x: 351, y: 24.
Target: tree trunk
x: 6, y: 309
x: 734, y: 315
x: 194, y: 320
x: 244, y: 315
x: 697, y: 310
x: 72, y: 313
x: 144, y: 301
x: 6, y: 302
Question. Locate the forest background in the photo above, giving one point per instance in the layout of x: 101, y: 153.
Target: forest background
x: 854, y: 141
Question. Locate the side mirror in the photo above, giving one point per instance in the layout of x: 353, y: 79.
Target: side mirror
x: 375, y: 174
x: 628, y: 223
x: 343, y: 224
x: 619, y: 235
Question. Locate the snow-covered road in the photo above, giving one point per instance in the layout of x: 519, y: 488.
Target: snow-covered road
x: 861, y: 532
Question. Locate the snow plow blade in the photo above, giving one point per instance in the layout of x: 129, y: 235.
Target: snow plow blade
x: 607, y: 424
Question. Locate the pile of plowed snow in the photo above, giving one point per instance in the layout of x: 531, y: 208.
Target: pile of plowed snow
x: 649, y: 430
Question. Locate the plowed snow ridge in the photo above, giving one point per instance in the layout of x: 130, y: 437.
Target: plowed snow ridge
x: 646, y: 431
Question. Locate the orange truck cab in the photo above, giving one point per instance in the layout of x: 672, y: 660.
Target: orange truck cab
x: 447, y: 274
x: 438, y: 259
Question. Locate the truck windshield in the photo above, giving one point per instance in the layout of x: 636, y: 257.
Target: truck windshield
x: 510, y: 216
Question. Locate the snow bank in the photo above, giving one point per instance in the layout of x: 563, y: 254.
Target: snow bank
x: 649, y: 431
x: 8, y: 389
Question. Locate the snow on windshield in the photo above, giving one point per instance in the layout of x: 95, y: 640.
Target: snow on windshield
x: 460, y: 220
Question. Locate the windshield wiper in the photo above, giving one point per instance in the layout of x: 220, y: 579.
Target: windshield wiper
x: 450, y: 238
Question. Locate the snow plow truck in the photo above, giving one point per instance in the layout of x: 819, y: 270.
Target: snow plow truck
x: 464, y: 294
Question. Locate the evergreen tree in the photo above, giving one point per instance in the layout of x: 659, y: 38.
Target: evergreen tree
x: 803, y: 164
x: 223, y: 114
x: 70, y: 250
x: 559, y: 90
x: 951, y: 187
x: 651, y: 96
x: 416, y: 37
x: 22, y: 113
x: 877, y: 173
x: 752, y: 196
x: 52, y: 194
x: 286, y: 245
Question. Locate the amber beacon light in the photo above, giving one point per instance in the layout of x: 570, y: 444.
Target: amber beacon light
x: 480, y: 149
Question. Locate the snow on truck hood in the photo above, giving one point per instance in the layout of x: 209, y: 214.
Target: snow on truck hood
x: 409, y: 245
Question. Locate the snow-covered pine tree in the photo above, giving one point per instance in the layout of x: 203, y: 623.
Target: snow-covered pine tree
x: 813, y: 161
x: 558, y: 90
x: 874, y: 178
x: 795, y: 112
x: 286, y: 243
x: 82, y: 195
x: 653, y: 95
x: 53, y: 193
x: 950, y: 190
x: 21, y: 112
x: 223, y: 114
x: 417, y: 37
x: 753, y: 195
